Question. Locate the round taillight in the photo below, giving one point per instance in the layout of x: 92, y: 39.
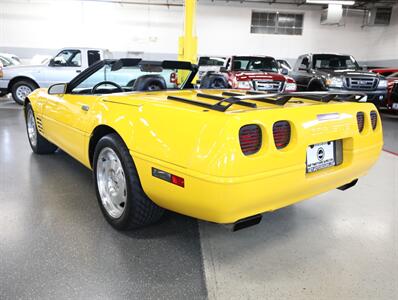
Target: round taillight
x: 373, y: 119
x: 360, y: 121
x: 282, y: 132
x: 250, y: 139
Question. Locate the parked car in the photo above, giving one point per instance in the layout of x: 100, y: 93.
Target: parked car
x: 12, y: 58
x: 384, y: 71
x: 209, y: 64
x: 224, y: 156
x: 392, y: 96
x: 5, y: 61
x: 259, y: 73
x: 22, y: 80
x: 337, y: 72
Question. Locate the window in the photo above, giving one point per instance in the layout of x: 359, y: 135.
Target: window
x: 305, y: 63
x: 211, y: 61
x: 4, y: 62
x: 68, y: 58
x: 93, y: 56
x: 277, y: 23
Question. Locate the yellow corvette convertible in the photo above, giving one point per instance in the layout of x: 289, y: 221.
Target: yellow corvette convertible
x: 225, y: 156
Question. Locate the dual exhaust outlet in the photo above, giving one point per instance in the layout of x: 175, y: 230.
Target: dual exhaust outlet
x: 256, y: 219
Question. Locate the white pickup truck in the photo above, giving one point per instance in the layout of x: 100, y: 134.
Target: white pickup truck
x: 69, y: 62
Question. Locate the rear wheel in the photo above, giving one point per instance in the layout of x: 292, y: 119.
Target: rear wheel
x: 37, y: 142
x: 21, y: 89
x: 119, y: 192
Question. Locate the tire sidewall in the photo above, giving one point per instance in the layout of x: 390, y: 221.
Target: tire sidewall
x: 28, y: 108
x: 121, y: 222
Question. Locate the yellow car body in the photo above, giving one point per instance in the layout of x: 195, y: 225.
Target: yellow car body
x: 202, y: 146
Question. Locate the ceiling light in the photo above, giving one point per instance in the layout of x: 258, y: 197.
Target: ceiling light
x: 330, y: 2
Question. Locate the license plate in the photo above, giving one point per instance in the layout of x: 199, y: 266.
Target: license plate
x: 320, y: 156
x: 395, y: 106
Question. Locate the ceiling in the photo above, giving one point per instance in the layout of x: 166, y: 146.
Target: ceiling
x: 361, y: 4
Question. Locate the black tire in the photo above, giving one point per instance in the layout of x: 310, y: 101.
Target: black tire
x: 139, y: 210
x: 315, y: 87
x: 18, y: 98
x: 42, y: 146
x: 214, y: 81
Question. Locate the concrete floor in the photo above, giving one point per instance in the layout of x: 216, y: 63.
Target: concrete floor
x: 55, y: 244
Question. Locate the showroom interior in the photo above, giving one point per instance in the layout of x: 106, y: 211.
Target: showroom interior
x: 199, y: 149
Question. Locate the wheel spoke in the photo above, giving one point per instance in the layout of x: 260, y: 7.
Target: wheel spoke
x: 111, y: 182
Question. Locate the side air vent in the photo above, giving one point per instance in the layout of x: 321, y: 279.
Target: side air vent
x: 282, y: 132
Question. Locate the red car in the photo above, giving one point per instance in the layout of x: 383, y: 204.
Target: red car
x: 259, y: 73
x: 392, y: 86
x: 384, y: 71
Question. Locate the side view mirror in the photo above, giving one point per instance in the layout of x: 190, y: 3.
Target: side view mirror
x: 57, y: 89
x: 284, y: 71
x: 364, y: 68
x: 51, y: 63
x: 304, y: 68
x: 223, y: 69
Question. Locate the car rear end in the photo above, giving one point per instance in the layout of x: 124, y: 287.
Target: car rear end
x: 271, y: 157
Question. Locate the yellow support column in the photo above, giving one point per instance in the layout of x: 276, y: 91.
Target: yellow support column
x: 188, y: 43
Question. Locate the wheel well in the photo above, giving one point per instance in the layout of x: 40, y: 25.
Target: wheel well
x: 315, y: 84
x: 20, y: 78
x: 99, y: 132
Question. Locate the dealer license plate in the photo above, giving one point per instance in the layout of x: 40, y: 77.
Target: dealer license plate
x: 320, y: 156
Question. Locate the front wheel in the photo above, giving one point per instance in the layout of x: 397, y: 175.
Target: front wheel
x: 119, y: 192
x: 37, y: 142
x: 21, y: 89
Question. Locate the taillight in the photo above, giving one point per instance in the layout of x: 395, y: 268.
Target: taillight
x: 281, y: 131
x: 1, y: 71
x: 173, y: 78
x: 373, y: 119
x: 360, y: 120
x: 250, y: 139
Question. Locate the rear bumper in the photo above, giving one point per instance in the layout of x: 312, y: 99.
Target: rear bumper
x: 228, y: 199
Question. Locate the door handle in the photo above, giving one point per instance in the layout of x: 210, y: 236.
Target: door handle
x: 85, y: 107
x: 78, y: 71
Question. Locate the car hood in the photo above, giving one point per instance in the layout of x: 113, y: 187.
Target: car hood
x: 347, y: 73
x: 242, y: 76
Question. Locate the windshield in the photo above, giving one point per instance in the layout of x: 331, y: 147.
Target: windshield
x: 4, y: 62
x: 332, y: 61
x: 242, y: 63
x: 109, y: 79
x: 211, y: 61
x: 393, y: 75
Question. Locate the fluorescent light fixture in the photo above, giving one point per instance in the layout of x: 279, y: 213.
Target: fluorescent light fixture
x: 341, y: 2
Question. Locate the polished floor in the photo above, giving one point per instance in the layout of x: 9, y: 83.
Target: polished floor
x: 55, y: 244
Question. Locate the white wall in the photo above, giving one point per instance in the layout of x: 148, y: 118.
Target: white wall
x: 31, y: 26
x: 369, y: 43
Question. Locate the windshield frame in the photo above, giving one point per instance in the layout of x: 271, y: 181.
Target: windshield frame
x: 180, y: 65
